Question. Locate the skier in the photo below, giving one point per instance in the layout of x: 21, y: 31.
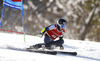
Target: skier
x: 51, y: 33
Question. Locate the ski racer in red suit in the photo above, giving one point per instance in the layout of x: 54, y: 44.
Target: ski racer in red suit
x: 51, y: 33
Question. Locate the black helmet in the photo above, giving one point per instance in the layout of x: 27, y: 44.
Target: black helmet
x: 62, y: 23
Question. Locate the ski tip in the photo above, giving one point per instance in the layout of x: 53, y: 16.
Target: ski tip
x: 75, y: 53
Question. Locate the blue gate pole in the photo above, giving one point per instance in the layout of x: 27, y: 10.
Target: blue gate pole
x: 23, y: 21
x: 2, y: 15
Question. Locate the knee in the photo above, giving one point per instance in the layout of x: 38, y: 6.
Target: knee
x: 61, y: 41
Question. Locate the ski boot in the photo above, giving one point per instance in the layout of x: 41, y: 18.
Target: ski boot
x: 34, y: 46
x: 61, y: 47
x: 51, y: 47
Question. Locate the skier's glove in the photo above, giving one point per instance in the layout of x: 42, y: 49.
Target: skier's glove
x: 61, y: 47
x: 40, y: 35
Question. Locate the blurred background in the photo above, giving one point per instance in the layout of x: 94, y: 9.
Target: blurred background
x: 83, y: 17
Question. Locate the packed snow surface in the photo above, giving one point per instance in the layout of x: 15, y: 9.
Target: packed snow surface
x: 87, y: 51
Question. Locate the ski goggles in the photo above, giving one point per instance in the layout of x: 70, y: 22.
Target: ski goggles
x: 63, y: 26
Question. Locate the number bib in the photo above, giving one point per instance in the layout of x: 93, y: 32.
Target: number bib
x: 54, y: 32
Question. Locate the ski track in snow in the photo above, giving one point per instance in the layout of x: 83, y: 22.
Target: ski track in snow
x: 87, y: 51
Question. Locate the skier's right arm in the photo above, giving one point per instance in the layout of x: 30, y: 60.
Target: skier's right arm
x: 43, y: 31
x: 47, y: 29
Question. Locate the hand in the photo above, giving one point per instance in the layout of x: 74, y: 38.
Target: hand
x: 40, y: 35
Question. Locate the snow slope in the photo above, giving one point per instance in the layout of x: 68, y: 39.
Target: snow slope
x: 87, y: 51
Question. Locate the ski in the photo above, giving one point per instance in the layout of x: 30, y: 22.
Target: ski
x: 54, y: 52
x: 32, y: 50
x: 42, y: 51
x: 51, y: 52
x: 68, y: 53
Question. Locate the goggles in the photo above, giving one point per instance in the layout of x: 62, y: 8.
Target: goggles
x: 62, y: 26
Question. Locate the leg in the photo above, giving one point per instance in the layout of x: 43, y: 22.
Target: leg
x: 59, y: 42
x: 56, y: 43
x: 53, y: 44
x: 47, y: 40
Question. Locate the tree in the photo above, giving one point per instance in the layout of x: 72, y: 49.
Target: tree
x: 83, y: 31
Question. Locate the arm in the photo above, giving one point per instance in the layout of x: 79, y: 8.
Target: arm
x: 47, y: 28
x: 44, y: 30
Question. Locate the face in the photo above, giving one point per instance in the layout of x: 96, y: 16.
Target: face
x: 62, y: 27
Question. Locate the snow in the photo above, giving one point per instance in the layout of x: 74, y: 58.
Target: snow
x: 87, y: 51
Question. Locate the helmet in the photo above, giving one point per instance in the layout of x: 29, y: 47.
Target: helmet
x: 62, y: 23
